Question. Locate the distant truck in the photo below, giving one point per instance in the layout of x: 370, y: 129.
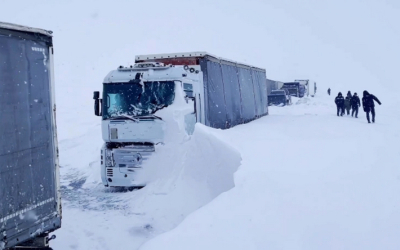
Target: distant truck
x: 295, y: 89
x: 310, y: 86
x: 273, y: 85
x: 30, y: 203
x: 279, y: 98
x: 224, y: 94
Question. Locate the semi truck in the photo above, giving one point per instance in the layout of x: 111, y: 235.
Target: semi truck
x: 295, y: 89
x: 30, y: 203
x: 279, y: 98
x: 273, y: 85
x: 310, y: 86
x: 224, y: 94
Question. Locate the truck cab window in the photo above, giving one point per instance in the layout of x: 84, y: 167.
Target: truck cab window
x: 134, y: 99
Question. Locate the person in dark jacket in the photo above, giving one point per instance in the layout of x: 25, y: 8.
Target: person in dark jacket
x: 347, y: 102
x: 355, y: 104
x: 339, y: 100
x: 329, y: 91
x: 369, y: 105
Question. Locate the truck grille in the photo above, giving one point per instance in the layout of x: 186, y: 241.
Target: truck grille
x: 132, y: 155
x: 109, y: 172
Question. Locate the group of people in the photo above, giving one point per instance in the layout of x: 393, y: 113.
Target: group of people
x: 352, y: 102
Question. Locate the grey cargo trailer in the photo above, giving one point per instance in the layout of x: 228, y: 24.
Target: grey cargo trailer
x: 234, y: 93
x: 30, y: 203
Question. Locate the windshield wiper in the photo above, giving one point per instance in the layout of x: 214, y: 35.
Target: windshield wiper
x: 134, y: 118
x: 148, y: 116
x: 157, y: 117
x: 124, y: 117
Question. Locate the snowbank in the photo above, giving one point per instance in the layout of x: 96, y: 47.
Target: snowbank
x: 306, y: 182
x: 184, y: 174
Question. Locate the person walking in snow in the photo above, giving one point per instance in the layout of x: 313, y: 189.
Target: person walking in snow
x: 339, y: 100
x: 329, y: 91
x: 347, y: 102
x: 355, y: 104
x: 369, y: 105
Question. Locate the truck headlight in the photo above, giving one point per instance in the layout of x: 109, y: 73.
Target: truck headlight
x: 108, y: 161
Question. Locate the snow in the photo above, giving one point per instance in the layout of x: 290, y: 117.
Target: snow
x: 186, y: 173
x: 314, y: 181
x: 300, y: 178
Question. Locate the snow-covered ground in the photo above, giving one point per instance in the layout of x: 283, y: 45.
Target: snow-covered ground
x: 300, y: 178
x: 186, y: 173
x: 308, y: 180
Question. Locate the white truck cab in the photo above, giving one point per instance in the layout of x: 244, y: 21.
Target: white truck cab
x: 224, y: 94
x: 130, y: 129
x: 310, y: 86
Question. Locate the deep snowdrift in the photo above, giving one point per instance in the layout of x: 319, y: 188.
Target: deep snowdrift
x: 308, y: 180
x: 192, y: 173
x: 184, y: 174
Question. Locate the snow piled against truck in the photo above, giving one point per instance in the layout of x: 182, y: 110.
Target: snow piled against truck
x: 186, y: 173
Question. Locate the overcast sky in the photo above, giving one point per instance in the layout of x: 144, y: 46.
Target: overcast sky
x: 335, y: 42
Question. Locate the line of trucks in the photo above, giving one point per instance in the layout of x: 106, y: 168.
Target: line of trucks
x: 222, y: 94
x: 280, y: 93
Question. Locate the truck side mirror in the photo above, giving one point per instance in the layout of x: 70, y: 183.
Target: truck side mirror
x: 96, y: 95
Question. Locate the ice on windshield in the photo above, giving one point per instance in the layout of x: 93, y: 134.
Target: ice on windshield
x: 133, y: 99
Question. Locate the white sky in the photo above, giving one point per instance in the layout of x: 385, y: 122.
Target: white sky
x: 336, y: 42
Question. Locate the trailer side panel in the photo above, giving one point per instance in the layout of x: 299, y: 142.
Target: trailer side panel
x: 234, y: 93
x: 28, y: 166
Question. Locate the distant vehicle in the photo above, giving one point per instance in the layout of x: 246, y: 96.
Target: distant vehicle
x: 287, y: 93
x: 279, y: 97
x: 223, y: 93
x: 295, y: 89
x: 310, y: 86
x: 279, y: 84
x: 30, y: 203
x: 273, y: 85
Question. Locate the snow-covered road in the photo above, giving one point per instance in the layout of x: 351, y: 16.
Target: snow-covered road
x: 186, y: 173
x: 307, y: 180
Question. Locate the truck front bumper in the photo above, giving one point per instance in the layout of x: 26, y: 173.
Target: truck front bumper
x: 120, y: 167
x: 113, y: 177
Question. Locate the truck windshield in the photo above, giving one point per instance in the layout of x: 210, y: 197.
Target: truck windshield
x: 135, y: 99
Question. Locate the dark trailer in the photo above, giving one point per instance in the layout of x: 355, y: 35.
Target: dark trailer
x: 234, y: 93
x: 30, y: 205
x: 292, y: 87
